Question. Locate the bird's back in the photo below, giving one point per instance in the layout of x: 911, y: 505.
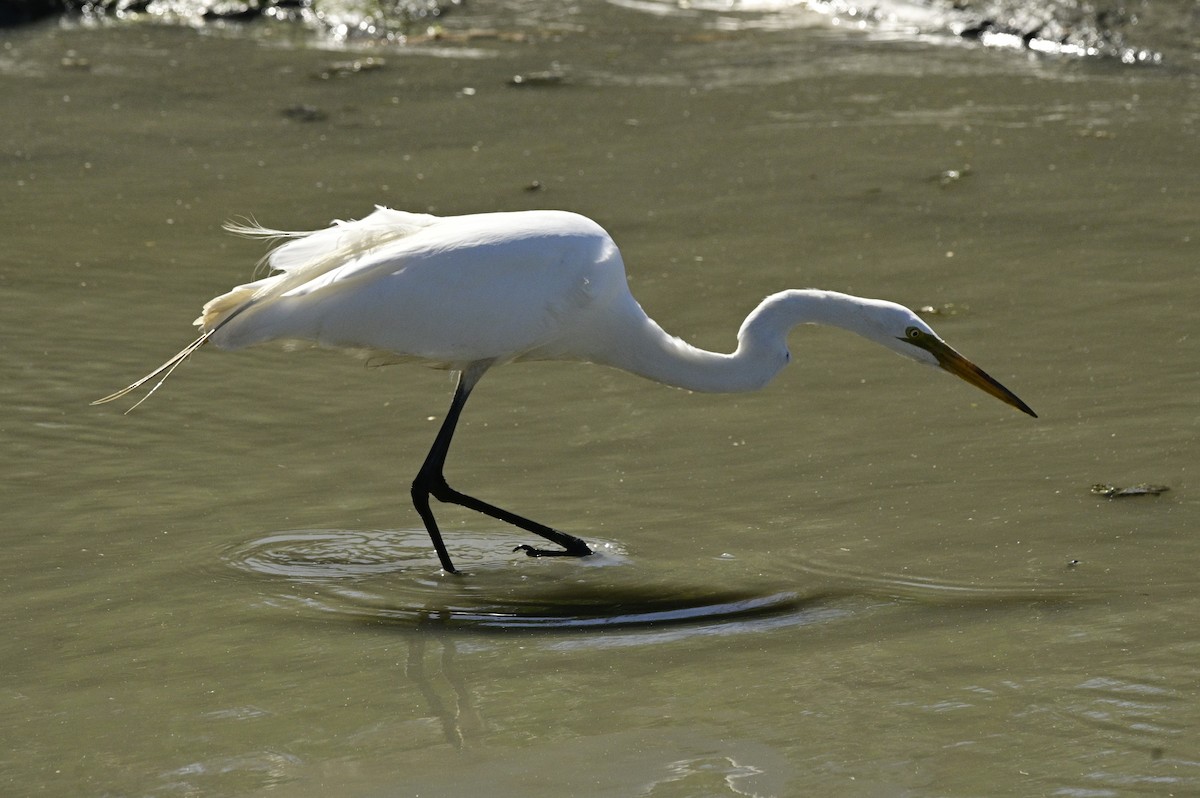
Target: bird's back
x: 452, y: 290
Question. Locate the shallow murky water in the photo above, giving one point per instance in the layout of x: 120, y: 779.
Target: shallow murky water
x: 865, y: 580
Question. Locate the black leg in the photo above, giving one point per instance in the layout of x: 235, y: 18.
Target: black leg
x: 428, y: 478
x: 431, y: 482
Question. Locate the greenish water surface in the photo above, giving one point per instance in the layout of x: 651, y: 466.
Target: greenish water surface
x: 866, y: 580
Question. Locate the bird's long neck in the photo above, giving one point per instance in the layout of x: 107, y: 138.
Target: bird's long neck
x: 761, y: 352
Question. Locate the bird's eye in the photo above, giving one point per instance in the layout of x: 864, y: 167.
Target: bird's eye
x: 913, y: 333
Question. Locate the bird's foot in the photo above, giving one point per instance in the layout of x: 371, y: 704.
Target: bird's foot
x: 530, y: 551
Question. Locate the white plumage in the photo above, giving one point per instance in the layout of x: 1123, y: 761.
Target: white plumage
x: 471, y: 292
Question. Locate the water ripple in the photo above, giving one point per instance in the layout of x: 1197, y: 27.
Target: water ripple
x: 389, y: 578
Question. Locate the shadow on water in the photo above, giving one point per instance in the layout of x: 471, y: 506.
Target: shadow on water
x: 388, y: 579
x: 593, y: 607
x: 388, y: 582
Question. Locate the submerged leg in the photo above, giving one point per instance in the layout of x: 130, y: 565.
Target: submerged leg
x: 431, y: 482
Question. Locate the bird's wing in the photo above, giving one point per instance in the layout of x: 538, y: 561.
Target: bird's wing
x: 310, y: 254
x: 478, y: 287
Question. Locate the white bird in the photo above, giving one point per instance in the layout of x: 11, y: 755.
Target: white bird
x: 467, y: 293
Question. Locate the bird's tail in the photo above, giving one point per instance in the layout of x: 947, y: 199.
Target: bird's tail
x: 303, y: 255
x: 216, y: 312
x: 164, y: 370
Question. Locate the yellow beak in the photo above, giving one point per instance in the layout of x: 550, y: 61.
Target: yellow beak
x: 959, y: 366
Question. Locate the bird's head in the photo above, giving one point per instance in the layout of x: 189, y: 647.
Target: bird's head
x: 905, y: 333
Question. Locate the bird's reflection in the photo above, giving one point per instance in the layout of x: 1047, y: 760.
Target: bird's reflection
x: 445, y: 692
x: 380, y: 580
x: 434, y: 632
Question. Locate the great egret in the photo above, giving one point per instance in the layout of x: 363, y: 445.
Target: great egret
x: 467, y: 293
